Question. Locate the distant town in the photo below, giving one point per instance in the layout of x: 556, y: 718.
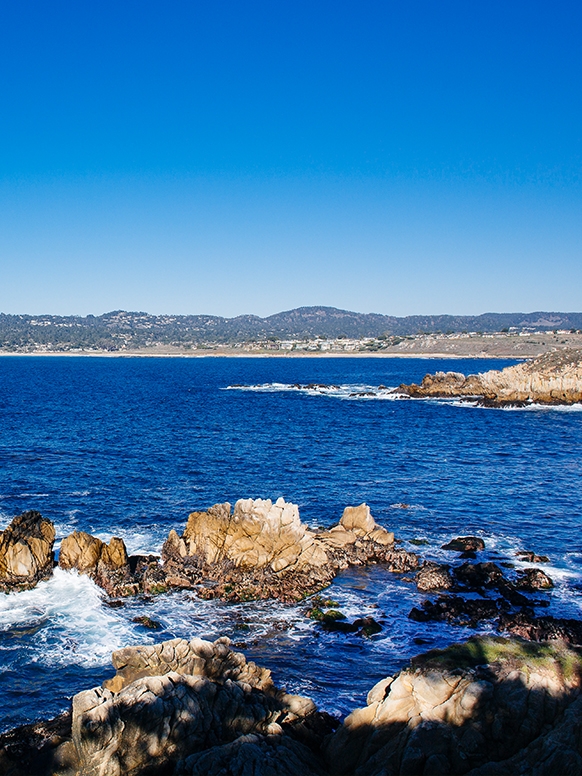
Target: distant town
x: 304, y: 331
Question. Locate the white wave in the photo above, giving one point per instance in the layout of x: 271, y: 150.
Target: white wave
x: 345, y: 391
x: 388, y: 393
x: 73, y: 626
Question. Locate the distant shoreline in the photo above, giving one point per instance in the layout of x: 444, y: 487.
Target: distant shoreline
x: 437, y: 356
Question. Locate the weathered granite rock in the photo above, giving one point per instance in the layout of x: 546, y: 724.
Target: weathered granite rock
x: 455, y: 710
x: 171, y: 701
x: 263, y: 550
x: 211, y: 660
x: 107, y: 564
x: 26, y: 552
x: 434, y: 576
x: 553, y: 378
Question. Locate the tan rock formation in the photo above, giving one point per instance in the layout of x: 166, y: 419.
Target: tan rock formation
x: 26, y: 554
x: 212, y: 660
x: 194, y: 696
x: 455, y: 710
x: 107, y: 564
x: 553, y: 378
x: 257, y: 534
x: 263, y: 550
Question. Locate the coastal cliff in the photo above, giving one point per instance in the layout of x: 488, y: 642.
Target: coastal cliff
x: 553, y: 378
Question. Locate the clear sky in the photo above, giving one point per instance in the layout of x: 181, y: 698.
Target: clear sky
x: 249, y: 157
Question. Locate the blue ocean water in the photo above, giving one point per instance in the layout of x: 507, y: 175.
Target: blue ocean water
x: 130, y: 446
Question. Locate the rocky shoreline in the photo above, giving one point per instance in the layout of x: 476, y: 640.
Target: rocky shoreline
x: 488, y: 707
x: 555, y: 378
x: 495, y: 705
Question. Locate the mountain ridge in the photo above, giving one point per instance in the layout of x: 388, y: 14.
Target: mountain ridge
x: 120, y: 328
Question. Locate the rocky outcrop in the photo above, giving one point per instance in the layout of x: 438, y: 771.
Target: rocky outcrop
x: 434, y: 576
x: 182, y: 707
x: 553, y: 378
x: 453, y: 711
x: 107, y: 564
x: 263, y: 550
x: 26, y: 552
x: 491, y: 706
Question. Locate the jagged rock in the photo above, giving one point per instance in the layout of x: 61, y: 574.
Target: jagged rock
x: 26, y: 552
x: 457, y: 611
x: 174, y: 700
x: 553, y: 378
x: 525, y: 625
x: 258, y: 755
x: 456, y: 709
x: 107, y: 564
x: 475, y: 576
x: 532, y: 580
x: 465, y: 544
x: 262, y: 550
x: 434, y: 576
x: 212, y: 660
x: 359, y: 521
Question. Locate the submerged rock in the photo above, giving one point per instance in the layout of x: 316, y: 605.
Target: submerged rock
x: 553, y: 378
x: 26, y: 552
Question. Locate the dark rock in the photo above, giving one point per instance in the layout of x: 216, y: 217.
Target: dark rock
x: 527, y: 626
x: 532, y: 580
x: 32, y: 750
x: 530, y: 557
x: 465, y: 544
x: 457, y: 611
x: 147, y: 622
x: 476, y: 576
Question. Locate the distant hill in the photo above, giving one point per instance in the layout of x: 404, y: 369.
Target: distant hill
x: 119, y: 329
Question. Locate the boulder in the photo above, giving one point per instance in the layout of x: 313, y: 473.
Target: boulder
x: 259, y: 755
x: 26, y: 552
x: 212, y: 660
x: 531, y: 580
x: 107, y: 564
x: 465, y: 544
x: 434, y: 576
x: 456, y: 709
x: 359, y: 521
x: 172, y: 702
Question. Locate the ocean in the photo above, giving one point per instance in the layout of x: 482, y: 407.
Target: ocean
x: 130, y: 446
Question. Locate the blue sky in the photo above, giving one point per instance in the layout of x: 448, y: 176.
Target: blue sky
x: 249, y: 157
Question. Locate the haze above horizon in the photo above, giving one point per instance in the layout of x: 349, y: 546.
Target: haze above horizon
x: 227, y: 158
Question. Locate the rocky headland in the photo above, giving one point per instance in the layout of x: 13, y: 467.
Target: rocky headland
x: 488, y: 707
x: 553, y: 378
